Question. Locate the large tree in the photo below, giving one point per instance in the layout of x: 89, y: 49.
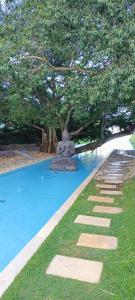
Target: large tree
x: 70, y: 64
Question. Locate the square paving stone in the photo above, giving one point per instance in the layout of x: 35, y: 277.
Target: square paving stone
x: 107, y: 209
x: 97, y: 241
x: 106, y: 186
x: 111, y: 192
x: 90, y: 220
x: 75, y: 268
x: 100, y: 199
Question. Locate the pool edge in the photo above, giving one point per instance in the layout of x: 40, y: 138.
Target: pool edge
x: 8, y: 275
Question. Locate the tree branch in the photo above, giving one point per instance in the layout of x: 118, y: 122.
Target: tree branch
x: 38, y: 127
x: 60, y: 69
x: 76, y: 132
x: 68, y: 117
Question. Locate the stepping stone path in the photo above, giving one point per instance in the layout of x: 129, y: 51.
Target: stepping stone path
x: 100, y: 199
x: 107, y: 209
x: 106, y: 186
x: 97, y: 241
x: 90, y: 220
x: 75, y: 268
x: 87, y: 270
x: 111, y: 192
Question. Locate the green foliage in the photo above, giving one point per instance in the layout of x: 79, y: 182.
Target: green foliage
x: 64, y: 55
x: 132, y: 140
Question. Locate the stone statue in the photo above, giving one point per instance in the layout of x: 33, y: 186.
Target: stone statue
x: 65, y: 150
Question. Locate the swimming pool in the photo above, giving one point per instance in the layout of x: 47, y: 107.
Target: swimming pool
x: 30, y: 196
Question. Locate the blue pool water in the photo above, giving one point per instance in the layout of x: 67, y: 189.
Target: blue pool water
x: 30, y: 196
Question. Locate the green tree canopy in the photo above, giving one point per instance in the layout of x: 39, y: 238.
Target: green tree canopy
x: 69, y: 64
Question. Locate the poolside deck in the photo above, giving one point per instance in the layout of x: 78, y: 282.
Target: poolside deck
x: 10, y: 160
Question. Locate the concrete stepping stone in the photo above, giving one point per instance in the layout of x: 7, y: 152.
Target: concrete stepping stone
x: 112, y: 177
x: 107, y: 209
x: 111, y: 192
x: 114, y: 163
x: 106, y: 186
x: 109, y: 173
x: 116, y: 171
x: 117, y: 163
x: 100, y: 199
x: 113, y: 173
x: 115, y: 166
x: 75, y: 268
x: 97, y: 241
x: 94, y: 221
x: 121, y: 167
x: 113, y: 181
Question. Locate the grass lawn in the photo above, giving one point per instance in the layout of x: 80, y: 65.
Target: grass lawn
x: 118, y: 277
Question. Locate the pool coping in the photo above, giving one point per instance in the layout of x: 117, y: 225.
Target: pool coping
x: 11, y: 271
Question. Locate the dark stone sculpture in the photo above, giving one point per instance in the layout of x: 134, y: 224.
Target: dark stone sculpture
x: 65, y: 150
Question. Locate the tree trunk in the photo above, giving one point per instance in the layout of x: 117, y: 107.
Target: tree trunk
x: 44, y: 143
x: 52, y: 140
x: 49, y: 140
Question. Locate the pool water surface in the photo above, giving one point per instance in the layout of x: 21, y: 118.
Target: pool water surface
x: 30, y: 196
